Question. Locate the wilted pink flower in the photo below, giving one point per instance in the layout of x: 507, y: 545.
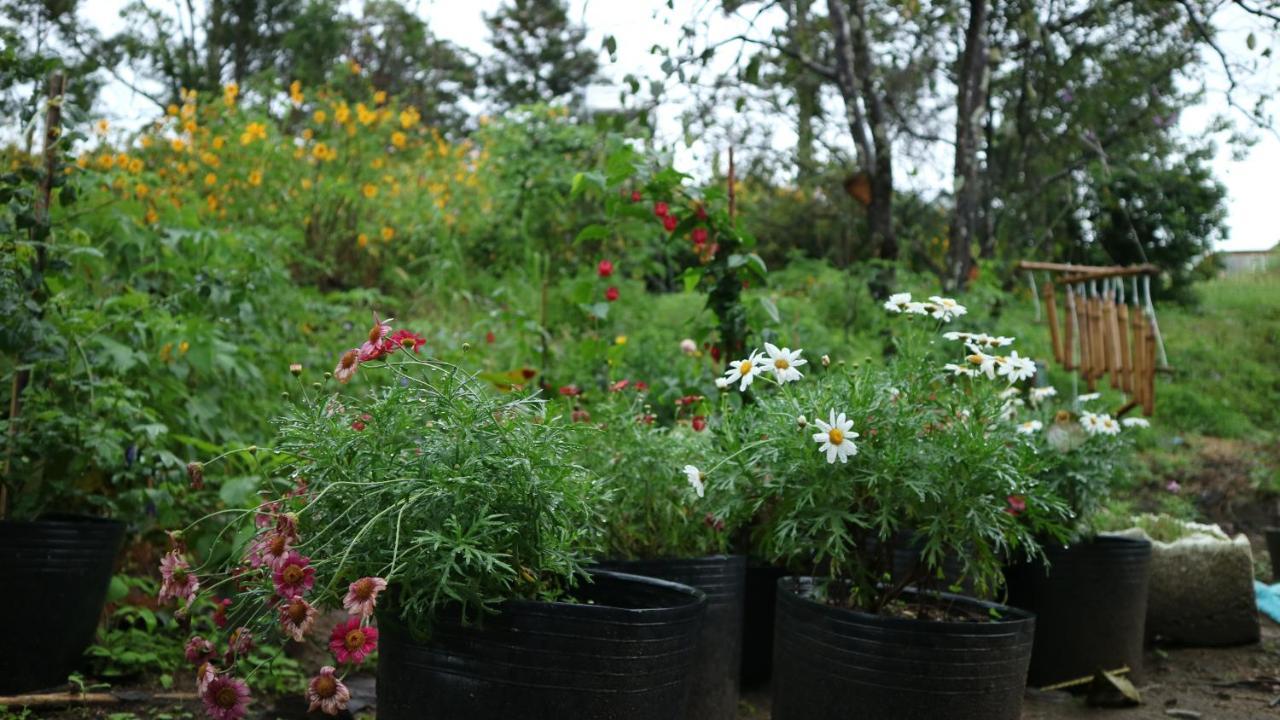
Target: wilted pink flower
x: 374, y: 348
x: 294, y: 576
x: 269, y: 549
x: 362, y: 595
x: 327, y: 693
x: 351, y: 643
x: 240, y: 642
x: 347, y: 366
x: 204, y: 675
x: 220, y: 613
x: 179, y: 582
x: 199, y: 650
x: 226, y: 698
x: 297, y: 617
x: 688, y: 346
x: 1016, y: 505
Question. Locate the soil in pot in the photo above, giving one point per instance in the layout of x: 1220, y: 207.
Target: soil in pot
x: 55, y: 572
x: 622, y: 652
x: 713, y: 679
x: 760, y: 598
x: 834, y: 663
x: 1090, y: 606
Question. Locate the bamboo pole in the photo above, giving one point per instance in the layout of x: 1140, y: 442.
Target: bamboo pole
x: 1098, y: 363
x: 1149, y: 387
x: 1086, y: 341
x: 1105, y: 310
x: 1111, y: 272
x: 1139, y: 357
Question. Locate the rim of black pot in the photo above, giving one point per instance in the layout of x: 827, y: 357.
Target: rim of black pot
x: 693, y: 596
x: 674, y: 558
x: 1101, y: 539
x: 1008, y: 614
x: 65, y: 519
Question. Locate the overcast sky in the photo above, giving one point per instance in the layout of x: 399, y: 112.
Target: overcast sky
x: 638, y: 24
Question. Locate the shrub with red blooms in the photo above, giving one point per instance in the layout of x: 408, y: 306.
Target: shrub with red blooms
x: 604, y: 269
x: 373, y: 527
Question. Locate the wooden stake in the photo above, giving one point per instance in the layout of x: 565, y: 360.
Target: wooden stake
x: 1105, y: 314
x: 1122, y: 339
x: 1068, y: 331
x: 1082, y: 328
x: 1149, y: 387
x: 1051, y: 314
x: 1096, y: 340
x: 1139, y: 357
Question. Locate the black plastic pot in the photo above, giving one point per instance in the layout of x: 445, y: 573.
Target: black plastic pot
x: 831, y: 663
x: 54, y: 574
x: 1273, y: 549
x: 760, y: 600
x: 713, y: 679
x: 623, y: 652
x: 1090, y: 605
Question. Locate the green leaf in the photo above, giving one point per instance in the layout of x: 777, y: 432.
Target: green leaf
x: 592, y: 232
x: 771, y: 308
x: 691, y: 277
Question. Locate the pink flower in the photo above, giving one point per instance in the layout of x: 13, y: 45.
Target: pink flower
x: 327, y: 693
x: 611, y: 294
x: 699, y: 236
x: 635, y: 196
x: 373, y: 348
x: 604, y: 269
x: 362, y: 596
x: 669, y: 222
x: 297, y: 617
x: 269, y: 549
x: 1173, y: 486
x: 688, y: 346
x: 570, y: 390
x: 619, y: 386
x: 179, y: 582
x: 226, y: 698
x: 660, y: 209
x: 1017, y: 505
x: 199, y: 650
x: 699, y: 423
x: 204, y: 675
x: 220, y: 613
x: 405, y: 339
x: 347, y: 366
x: 350, y: 642
x: 294, y: 576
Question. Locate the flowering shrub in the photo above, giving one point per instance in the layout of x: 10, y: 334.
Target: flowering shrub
x: 1077, y: 453
x: 419, y: 495
x: 858, y: 461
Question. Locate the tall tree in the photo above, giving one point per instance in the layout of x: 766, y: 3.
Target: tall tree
x: 971, y: 77
x: 539, y: 55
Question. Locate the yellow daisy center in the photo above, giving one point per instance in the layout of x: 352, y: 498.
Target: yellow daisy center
x: 745, y: 367
x: 781, y: 363
x: 835, y: 435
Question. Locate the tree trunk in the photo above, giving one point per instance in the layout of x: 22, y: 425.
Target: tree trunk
x: 807, y: 90
x: 971, y: 105
x: 870, y: 130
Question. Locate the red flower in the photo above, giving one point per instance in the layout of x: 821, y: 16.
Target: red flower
x: 1017, y: 505
x: 405, y: 339
x: 489, y: 337
x: 687, y: 400
x: 715, y: 353
x: 352, y: 643
x: 528, y: 373
x: 699, y: 236
x: 669, y: 222
x: 646, y: 419
x: 660, y: 209
x: 570, y: 390
x: 359, y: 424
x: 635, y: 196
x: 619, y: 386
x: 701, y: 212
x: 580, y: 415
x: 611, y: 294
x: 605, y: 268
x: 699, y: 423
x: 374, y: 348
x: 641, y: 386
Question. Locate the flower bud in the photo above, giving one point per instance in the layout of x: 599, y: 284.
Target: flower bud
x: 826, y: 361
x: 466, y: 347
x: 295, y: 369
x: 802, y: 422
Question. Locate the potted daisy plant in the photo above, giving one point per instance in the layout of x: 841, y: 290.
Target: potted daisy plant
x: 448, y: 526
x: 859, y: 459
x: 1089, y: 591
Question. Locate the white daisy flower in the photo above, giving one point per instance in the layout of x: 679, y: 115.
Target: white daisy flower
x: 1017, y: 368
x: 960, y: 370
x: 1107, y: 425
x: 1042, y: 393
x: 1030, y: 427
x: 745, y: 371
x: 1088, y: 397
x: 1136, y: 422
x: 1009, y: 392
x: 1091, y: 422
x: 985, y: 364
x: 836, y: 438
x: 956, y: 335
x: 694, y: 476
x: 897, y: 302
x: 946, y: 309
x: 784, y: 362
x: 722, y: 383
x: 986, y: 340
x: 917, y: 308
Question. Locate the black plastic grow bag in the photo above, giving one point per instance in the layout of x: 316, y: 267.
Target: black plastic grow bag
x: 54, y: 574
x: 1090, y: 606
x: 832, y: 663
x: 713, y: 679
x: 623, y: 652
